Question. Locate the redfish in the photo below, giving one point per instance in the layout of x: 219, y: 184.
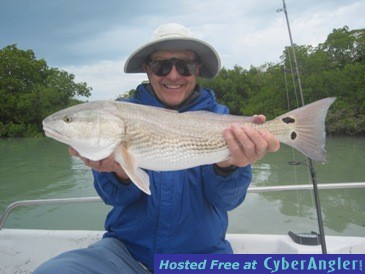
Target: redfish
x: 144, y: 137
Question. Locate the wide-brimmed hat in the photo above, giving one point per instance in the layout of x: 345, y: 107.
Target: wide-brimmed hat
x: 175, y: 37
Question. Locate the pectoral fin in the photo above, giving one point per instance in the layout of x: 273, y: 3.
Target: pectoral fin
x: 129, y: 164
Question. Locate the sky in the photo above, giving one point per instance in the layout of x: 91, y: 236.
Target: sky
x: 93, y: 39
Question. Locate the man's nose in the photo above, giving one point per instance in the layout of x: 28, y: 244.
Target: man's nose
x: 173, y: 74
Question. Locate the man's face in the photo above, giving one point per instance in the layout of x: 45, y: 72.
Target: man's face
x: 173, y: 88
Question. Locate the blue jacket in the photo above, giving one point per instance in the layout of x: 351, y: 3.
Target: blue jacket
x: 187, y: 211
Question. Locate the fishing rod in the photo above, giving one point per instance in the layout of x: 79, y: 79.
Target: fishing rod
x: 310, y: 166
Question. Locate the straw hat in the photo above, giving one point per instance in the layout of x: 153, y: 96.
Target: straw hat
x: 175, y: 37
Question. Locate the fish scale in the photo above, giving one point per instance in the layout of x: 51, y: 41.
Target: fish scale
x: 176, y: 147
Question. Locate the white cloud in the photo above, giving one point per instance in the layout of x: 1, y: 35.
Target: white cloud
x: 106, y: 78
x: 313, y: 26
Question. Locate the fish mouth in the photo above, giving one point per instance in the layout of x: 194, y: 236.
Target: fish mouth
x: 52, y: 133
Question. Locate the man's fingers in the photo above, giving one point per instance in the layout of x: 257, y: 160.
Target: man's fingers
x: 258, y: 145
x: 231, y: 142
x: 105, y: 165
x: 259, y: 119
x: 273, y: 144
x: 247, y: 147
x: 73, y: 151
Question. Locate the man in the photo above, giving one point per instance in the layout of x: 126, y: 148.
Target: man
x: 187, y: 211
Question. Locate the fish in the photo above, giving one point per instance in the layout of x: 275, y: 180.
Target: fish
x: 144, y: 137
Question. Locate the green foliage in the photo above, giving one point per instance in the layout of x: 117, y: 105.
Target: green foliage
x: 30, y: 91
x: 335, y: 68
x: 127, y: 94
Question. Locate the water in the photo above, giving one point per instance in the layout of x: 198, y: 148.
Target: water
x: 42, y: 168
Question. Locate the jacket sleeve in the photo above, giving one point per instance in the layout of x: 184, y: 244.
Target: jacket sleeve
x: 112, y: 191
x: 226, y: 192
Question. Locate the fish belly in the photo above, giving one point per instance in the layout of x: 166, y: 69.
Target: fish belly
x: 164, y: 160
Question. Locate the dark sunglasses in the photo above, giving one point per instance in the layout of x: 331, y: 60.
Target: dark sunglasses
x: 183, y: 66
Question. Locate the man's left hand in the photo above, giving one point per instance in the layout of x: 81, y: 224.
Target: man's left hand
x: 248, y: 145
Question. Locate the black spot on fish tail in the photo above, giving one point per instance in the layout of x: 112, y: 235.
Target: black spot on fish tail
x: 288, y: 120
x: 293, y: 135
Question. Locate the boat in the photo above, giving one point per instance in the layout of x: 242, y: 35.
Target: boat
x: 22, y: 250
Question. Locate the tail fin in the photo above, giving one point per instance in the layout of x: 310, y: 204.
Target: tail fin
x: 310, y: 134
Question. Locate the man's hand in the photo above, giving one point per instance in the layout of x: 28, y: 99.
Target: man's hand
x: 248, y: 145
x: 105, y: 165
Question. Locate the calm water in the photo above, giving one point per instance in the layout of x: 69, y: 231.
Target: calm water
x: 42, y: 168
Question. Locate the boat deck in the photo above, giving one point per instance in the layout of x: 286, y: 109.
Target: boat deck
x: 22, y: 250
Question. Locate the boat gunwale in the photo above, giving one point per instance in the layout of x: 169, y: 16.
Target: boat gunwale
x: 95, y: 199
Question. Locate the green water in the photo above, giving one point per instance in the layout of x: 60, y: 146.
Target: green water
x: 42, y: 169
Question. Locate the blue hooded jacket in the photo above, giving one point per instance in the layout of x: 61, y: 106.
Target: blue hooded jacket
x: 187, y: 211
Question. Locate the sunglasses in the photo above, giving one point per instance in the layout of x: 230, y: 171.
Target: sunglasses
x: 184, y: 67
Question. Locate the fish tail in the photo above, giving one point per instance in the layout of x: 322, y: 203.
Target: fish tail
x: 308, y: 134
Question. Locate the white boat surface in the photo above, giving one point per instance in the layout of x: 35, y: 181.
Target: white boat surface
x: 22, y: 250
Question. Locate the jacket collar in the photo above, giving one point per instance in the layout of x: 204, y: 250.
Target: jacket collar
x: 201, y: 99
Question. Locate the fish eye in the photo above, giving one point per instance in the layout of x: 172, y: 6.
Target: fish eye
x: 67, y: 119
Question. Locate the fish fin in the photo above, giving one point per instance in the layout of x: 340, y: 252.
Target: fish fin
x: 309, y: 134
x: 128, y: 162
